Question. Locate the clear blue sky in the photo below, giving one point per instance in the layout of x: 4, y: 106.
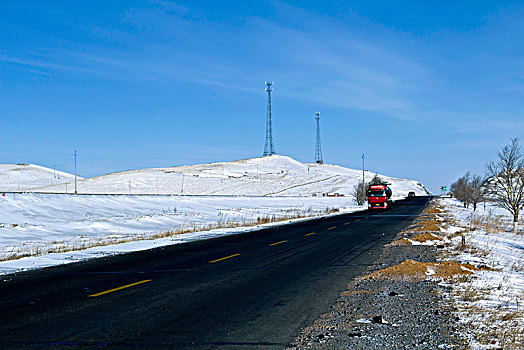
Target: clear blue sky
x: 426, y: 89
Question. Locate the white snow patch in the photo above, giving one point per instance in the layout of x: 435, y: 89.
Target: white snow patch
x: 146, y: 203
x: 363, y: 320
x: 34, y: 223
x: 496, y: 291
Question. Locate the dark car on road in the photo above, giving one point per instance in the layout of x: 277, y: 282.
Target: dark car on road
x: 411, y: 194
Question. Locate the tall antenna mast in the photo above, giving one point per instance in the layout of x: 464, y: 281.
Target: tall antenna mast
x: 269, y: 148
x: 318, y: 150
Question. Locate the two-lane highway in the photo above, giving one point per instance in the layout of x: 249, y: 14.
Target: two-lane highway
x: 253, y: 290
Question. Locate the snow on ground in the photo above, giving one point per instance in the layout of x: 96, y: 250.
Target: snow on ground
x: 20, y: 177
x: 36, y: 224
x: 491, y: 305
x: 143, y: 205
x: 266, y: 176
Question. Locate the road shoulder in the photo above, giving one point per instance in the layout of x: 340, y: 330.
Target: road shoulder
x: 398, y: 306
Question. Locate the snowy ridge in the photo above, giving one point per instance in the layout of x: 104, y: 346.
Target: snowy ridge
x: 21, y: 177
x: 266, y: 176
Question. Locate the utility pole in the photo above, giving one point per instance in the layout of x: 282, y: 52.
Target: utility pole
x: 363, y: 176
x: 182, y: 189
x: 75, y: 176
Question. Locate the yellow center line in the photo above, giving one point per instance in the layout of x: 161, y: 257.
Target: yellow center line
x: 272, y: 244
x: 309, y: 234
x: 357, y: 220
x: 227, y: 257
x: 119, y: 288
x: 332, y: 228
x: 346, y: 223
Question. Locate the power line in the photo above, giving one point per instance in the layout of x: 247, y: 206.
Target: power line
x: 75, y: 176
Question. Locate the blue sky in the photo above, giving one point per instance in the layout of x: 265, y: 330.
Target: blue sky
x: 426, y: 89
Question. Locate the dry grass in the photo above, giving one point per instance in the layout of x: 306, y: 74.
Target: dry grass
x: 491, y: 327
x: 411, y: 270
x: 499, y: 329
x: 427, y: 225
x: 68, y: 246
x: 489, y: 222
x: 434, y: 208
x: 427, y: 222
x: 428, y: 236
x: 472, y: 249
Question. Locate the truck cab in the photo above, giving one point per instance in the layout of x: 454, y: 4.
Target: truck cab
x: 379, y: 196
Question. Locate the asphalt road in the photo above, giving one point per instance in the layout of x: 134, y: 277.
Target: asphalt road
x: 252, y: 291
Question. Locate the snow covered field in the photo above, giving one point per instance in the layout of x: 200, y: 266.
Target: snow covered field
x: 21, y: 177
x: 36, y: 224
x: 41, y: 229
x: 266, y: 176
x: 491, y: 304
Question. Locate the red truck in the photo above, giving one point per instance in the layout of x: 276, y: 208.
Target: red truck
x: 379, y: 196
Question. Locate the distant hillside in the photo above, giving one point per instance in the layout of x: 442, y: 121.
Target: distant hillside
x: 20, y: 177
x: 266, y: 176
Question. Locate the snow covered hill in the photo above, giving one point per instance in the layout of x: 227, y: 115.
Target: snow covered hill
x: 20, y: 177
x: 39, y: 230
x: 266, y: 176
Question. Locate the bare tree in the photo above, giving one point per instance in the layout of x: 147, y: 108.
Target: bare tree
x: 376, y: 180
x: 477, y: 190
x: 506, y: 179
x: 359, y: 192
x: 461, y: 190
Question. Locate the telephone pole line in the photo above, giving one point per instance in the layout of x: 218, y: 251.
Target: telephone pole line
x: 75, y: 176
x: 363, y: 176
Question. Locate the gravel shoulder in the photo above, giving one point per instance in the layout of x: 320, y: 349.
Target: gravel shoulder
x: 388, y: 313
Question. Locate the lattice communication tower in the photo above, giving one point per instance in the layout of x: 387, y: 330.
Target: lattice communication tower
x: 318, y: 150
x: 269, y: 148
